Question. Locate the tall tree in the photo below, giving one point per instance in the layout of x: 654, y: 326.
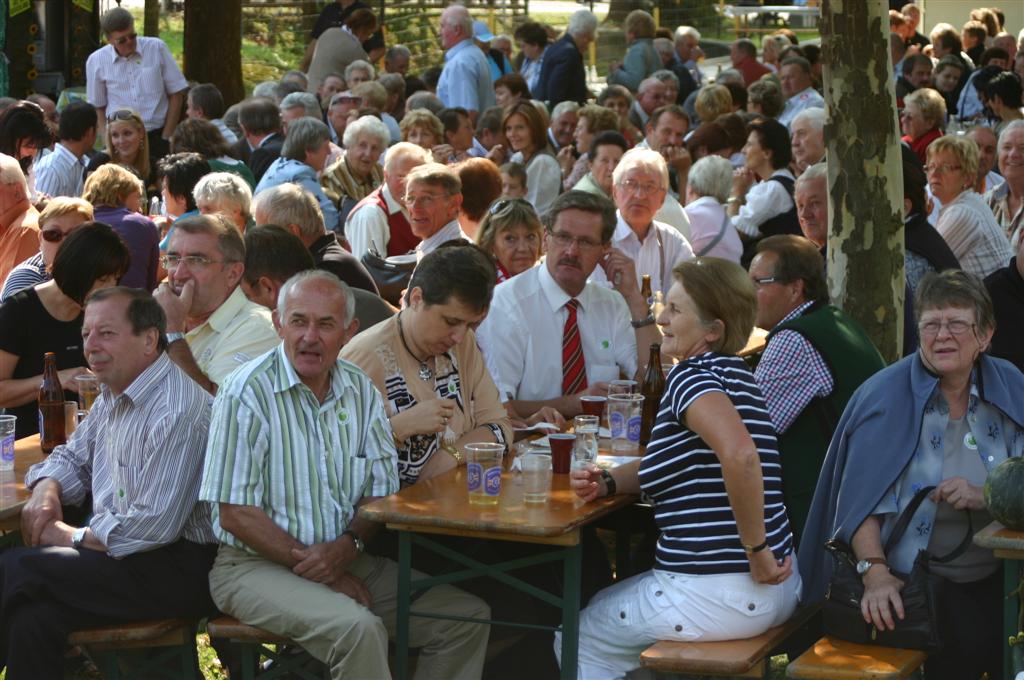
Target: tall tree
x: 865, y: 170
x: 151, y: 19
x: 213, y: 45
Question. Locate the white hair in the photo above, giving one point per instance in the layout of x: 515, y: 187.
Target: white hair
x: 711, y: 176
x: 10, y: 171
x: 664, y: 46
x: 306, y: 100
x: 582, y: 22
x: 643, y: 159
x: 811, y: 174
x: 1011, y: 127
x: 814, y: 116
x: 360, y: 65
x: 403, y: 151
x: 366, y: 125
x: 221, y: 187
x: 564, y: 107
x: 685, y: 31
x: 458, y: 17
x: 322, y: 276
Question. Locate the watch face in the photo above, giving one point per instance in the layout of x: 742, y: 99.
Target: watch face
x: 863, y: 566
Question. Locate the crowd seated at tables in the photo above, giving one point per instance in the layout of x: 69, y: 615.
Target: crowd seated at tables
x: 317, y: 296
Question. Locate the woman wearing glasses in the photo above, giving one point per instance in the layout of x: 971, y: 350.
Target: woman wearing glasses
x: 58, y: 219
x: 945, y: 416
x: 526, y: 133
x: 48, y: 318
x: 965, y: 220
x: 511, y: 232
x: 127, y: 145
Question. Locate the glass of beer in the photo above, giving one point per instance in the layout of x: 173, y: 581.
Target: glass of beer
x: 88, y: 390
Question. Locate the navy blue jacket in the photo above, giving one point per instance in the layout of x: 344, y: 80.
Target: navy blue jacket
x: 562, y: 76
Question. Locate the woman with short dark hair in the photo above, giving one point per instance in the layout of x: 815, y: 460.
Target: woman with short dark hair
x: 48, y: 318
x: 23, y: 132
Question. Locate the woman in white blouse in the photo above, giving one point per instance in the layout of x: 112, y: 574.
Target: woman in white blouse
x: 711, y: 230
x: 525, y: 131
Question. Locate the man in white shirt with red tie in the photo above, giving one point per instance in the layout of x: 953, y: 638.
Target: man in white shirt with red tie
x: 551, y: 336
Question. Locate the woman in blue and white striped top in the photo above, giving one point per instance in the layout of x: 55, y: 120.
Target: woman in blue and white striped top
x: 724, y: 565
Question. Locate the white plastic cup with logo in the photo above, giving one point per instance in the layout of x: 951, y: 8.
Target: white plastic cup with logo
x: 7, y: 442
x: 623, y: 387
x: 624, y: 415
x: 483, y: 472
x: 536, y: 476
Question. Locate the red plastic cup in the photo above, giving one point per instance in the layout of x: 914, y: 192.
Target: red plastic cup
x: 561, y: 452
x: 593, y: 405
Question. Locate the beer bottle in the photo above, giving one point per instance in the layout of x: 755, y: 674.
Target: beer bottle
x: 652, y: 386
x: 645, y: 290
x: 51, y: 406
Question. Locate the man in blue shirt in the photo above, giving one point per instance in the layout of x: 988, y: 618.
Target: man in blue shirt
x: 466, y: 78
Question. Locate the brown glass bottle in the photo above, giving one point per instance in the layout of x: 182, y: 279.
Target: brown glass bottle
x: 645, y: 290
x: 651, y: 387
x: 51, y: 406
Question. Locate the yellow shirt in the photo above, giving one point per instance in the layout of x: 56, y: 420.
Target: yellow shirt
x: 237, y: 332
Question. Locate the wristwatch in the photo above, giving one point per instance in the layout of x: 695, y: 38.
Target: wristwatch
x: 78, y: 537
x: 454, y: 452
x: 609, y: 482
x: 751, y: 549
x: 173, y: 337
x: 865, y: 564
x: 355, y: 539
x: 640, y: 323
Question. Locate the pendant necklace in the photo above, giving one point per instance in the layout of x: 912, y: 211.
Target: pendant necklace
x: 425, y: 373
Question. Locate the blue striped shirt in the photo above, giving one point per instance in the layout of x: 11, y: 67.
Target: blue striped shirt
x: 684, y: 477
x: 27, y: 274
x: 60, y: 173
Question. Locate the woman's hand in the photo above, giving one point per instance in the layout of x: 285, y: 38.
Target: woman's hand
x: 742, y: 180
x: 959, y: 493
x: 565, y: 160
x: 497, y: 154
x: 764, y: 568
x: 443, y: 153
x: 427, y: 417
x: 586, y: 483
x: 881, y: 590
x: 68, y: 375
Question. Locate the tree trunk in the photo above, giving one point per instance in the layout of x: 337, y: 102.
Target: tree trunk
x: 865, y: 171
x: 213, y: 45
x: 151, y: 19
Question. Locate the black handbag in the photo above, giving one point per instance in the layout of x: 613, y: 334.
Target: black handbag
x: 390, y: 274
x: 919, y: 628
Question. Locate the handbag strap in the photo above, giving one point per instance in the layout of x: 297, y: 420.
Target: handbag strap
x: 908, y: 514
x: 721, y: 233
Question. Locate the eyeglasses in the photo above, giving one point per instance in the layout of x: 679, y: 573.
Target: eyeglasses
x: 955, y: 327
x: 640, y: 188
x: 564, y: 240
x: 126, y: 38
x: 191, y: 261
x: 52, y: 235
x: 940, y: 168
x: 498, y: 206
x: 767, y: 280
x: 123, y: 114
x: 426, y: 200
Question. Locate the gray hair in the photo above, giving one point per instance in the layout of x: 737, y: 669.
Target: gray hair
x: 666, y: 76
x: 711, y: 176
x: 730, y: 75
x: 424, y: 100
x: 813, y: 173
x: 564, y: 107
x: 116, y: 19
x: 306, y: 100
x: 268, y: 89
x: 664, y: 46
x: 582, y: 22
x: 814, y: 116
x: 287, y: 204
x: 360, y: 65
x: 366, y: 125
x: 229, y: 239
x: 458, y: 16
x: 955, y: 288
x: 323, y: 276
x: 686, y: 31
x: 1010, y: 128
x: 304, y: 135
x: 221, y: 187
x: 394, y: 83
x: 10, y: 171
x: 404, y: 150
x: 642, y: 159
x: 396, y: 51
x: 297, y: 76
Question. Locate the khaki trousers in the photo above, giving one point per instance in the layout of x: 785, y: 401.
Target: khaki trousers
x: 335, y: 629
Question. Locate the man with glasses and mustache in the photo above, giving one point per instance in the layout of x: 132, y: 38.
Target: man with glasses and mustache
x: 552, y: 337
x: 212, y: 328
x: 139, y: 74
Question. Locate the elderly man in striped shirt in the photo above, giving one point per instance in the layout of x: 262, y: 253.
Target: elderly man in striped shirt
x: 299, y: 439
x: 147, y: 549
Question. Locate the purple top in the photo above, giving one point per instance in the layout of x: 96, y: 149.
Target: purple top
x: 142, y: 238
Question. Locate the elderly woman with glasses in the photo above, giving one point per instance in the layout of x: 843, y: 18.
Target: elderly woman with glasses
x: 965, y: 220
x: 128, y: 145
x: 48, y: 318
x: 942, y: 418
x: 60, y: 217
x: 511, y: 232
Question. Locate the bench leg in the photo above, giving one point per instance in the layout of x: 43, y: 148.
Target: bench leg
x: 571, y: 611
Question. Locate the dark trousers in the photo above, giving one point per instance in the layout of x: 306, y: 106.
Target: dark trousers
x: 46, y: 593
x: 970, y: 625
x: 158, y: 146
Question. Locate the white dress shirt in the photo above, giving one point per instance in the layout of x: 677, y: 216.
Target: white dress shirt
x: 369, y: 225
x: 765, y: 200
x: 807, y: 99
x: 141, y: 81
x: 521, y: 338
x: 654, y: 256
x: 448, y: 232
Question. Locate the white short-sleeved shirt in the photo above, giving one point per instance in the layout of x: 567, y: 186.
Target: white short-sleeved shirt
x: 466, y: 78
x: 141, y: 81
x: 521, y: 338
x: 656, y: 256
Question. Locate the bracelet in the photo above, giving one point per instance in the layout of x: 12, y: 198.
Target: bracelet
x: 640, y: 323
x: 454, y: 453
x: 750, y: 550
x: 609, y: 482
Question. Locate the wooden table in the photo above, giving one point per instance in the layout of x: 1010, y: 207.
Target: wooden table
x: 1007, y: 545
x: 13, y: 494
x: 441, y: 506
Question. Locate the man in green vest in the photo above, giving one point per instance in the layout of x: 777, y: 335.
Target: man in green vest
x: 815, y: 358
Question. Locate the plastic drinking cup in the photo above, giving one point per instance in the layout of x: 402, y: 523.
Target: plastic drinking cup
x: 483, y: 472
x: 536, y: 477
x: 7, y: 441
x: 561, y: 452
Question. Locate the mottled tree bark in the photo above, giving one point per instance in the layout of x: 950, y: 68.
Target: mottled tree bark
x: 865, y: 172
x: 213, y: 45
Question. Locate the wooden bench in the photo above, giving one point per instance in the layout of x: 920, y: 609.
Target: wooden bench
x: 834, y: 659
x: 731, y: 658
x: 175, y: 640
x: 255, y: 643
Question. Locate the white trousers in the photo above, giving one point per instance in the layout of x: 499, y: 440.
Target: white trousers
x: 623, y: 620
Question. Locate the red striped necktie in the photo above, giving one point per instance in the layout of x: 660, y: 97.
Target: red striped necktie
x: 574, y: 369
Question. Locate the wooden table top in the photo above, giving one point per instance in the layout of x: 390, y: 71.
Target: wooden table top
x: 13, y: 493
x: 441, y: 505
x: 755, y: 343
x: 1006, y: 543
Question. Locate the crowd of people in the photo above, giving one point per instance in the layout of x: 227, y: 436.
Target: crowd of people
x: 318, y: 295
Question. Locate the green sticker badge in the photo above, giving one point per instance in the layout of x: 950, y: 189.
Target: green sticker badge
x: 343, y: 415
x: 605, y: 344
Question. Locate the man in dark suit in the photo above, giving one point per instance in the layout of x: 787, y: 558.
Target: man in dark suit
x: 562, y: 76
x: 261, y: 128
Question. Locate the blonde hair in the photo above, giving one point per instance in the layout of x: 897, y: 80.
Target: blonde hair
x: 142, y: 158
x: 640, y: 24
x: 721, y: 291
x: 65, y: 205
x: 963, y: 148
x: 713, y: 101
x: 110, y: 185
x: 504, y: 215
x: 931, y: 104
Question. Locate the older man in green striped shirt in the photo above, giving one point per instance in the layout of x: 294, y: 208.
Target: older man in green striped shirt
x: 298, y: 440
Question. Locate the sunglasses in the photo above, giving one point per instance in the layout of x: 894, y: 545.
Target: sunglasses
x: 126, y: 38
x: 123, y: 114
x: 52, y: 235
x: 506, y: 202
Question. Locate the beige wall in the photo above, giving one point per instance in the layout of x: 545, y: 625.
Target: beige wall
x: 957, y: 12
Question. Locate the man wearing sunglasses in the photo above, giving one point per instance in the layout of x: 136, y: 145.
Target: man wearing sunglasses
x: 135, y: 73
